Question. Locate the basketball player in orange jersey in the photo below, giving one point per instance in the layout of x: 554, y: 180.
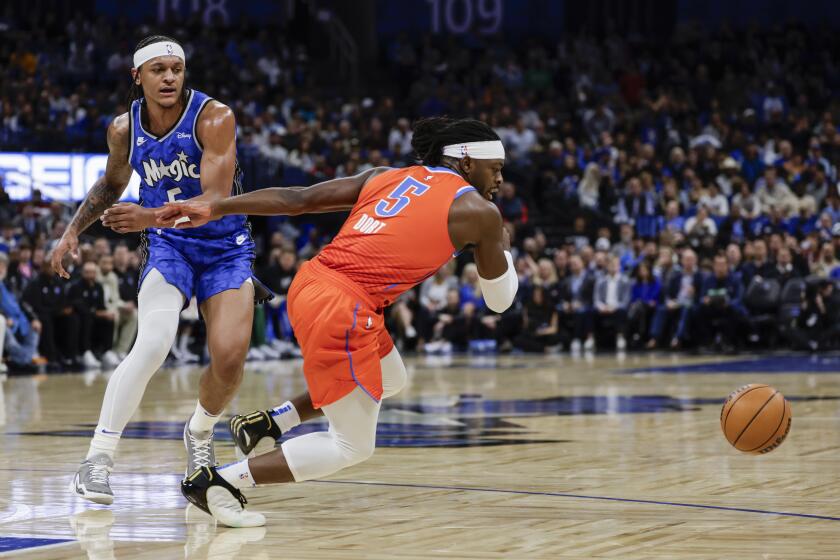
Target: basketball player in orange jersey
x: 404, y: 224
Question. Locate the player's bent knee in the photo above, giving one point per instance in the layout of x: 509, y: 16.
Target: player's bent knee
x: 358, y: 455
x: 155, y: 342
x: 230, y: 349
x: 228, y: 365
x: 356, y: 450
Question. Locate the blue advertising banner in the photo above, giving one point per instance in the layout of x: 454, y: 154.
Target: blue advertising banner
x: 63, y: 177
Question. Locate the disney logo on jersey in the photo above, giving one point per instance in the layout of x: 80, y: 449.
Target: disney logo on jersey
x: 176, y: 169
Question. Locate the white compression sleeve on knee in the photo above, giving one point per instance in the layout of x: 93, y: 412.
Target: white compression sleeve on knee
x: 350, y: 440
x: 499, y: 292
x: 159, y: 307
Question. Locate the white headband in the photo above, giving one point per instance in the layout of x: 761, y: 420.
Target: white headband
x: 493, y: 149
x: 163, y: 48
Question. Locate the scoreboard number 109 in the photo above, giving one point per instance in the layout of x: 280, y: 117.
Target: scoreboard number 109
x: 461, y: 16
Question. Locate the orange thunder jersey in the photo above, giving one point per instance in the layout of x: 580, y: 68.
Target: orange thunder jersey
x: 397, y: 234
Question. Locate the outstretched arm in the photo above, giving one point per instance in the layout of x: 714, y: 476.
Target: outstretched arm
x: 330, y: 196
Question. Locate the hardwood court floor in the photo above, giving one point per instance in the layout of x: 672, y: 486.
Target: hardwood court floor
x: 515, y: 457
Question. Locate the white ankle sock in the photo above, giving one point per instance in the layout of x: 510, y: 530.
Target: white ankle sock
x: 285, y: 416
x: 104, y: 441
x: 237, y: 475
x: 202, y: 421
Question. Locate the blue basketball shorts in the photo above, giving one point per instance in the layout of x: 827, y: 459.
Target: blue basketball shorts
x: 199, y: 266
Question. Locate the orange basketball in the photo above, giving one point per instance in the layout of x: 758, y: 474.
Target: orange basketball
x: 755, y: 418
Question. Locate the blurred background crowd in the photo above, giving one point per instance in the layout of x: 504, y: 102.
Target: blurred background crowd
x: 674, y: 192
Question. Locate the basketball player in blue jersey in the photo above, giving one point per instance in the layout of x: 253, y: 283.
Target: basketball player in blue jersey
x: 182, y: 144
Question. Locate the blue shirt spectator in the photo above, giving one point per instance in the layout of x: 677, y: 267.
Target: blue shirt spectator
x: 21, y: 342
x: 647, y: 292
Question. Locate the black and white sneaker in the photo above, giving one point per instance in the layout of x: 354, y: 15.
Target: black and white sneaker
x: 254, y: 433
x: 211, y: 493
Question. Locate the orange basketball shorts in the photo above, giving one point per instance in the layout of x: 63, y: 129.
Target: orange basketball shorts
x: 341, y: 335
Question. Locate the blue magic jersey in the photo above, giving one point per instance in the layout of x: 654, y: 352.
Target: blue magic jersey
x: 169, y: 167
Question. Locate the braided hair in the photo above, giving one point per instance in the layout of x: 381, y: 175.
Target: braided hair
x: 136, y: 91
x: 432, y: 134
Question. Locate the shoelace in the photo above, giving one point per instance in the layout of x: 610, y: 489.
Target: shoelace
x: 201, y: 450
x: 99, y: 473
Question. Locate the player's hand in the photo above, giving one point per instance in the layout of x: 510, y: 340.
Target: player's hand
x: 184, y: 214
x: 126, y: 217
x: 69, y: 243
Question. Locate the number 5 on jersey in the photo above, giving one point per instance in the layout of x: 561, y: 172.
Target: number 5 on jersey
x: 170, y: 194
x: 395, y: 202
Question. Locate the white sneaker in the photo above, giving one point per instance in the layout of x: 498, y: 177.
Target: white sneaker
x: 446, y: 347
x: 433, y: 347
x: 575, y: 346
x: 110, y: 359
x: 209, y: 491
x: 269, y: 352
x: 281, y: 345
x: 3, y: 368
x: 254, y: 354
x: 620, y: 343
x: 589, y: 345
x: 89, y: 360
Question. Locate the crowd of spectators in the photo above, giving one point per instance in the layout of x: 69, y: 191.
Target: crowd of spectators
x: 668, y: 193
x: 89, y: 321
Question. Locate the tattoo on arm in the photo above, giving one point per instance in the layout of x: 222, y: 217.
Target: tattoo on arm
x: 101, y: 197
x: 109, y: 188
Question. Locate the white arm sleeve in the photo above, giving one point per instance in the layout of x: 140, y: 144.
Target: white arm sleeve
x: 499, y: 292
